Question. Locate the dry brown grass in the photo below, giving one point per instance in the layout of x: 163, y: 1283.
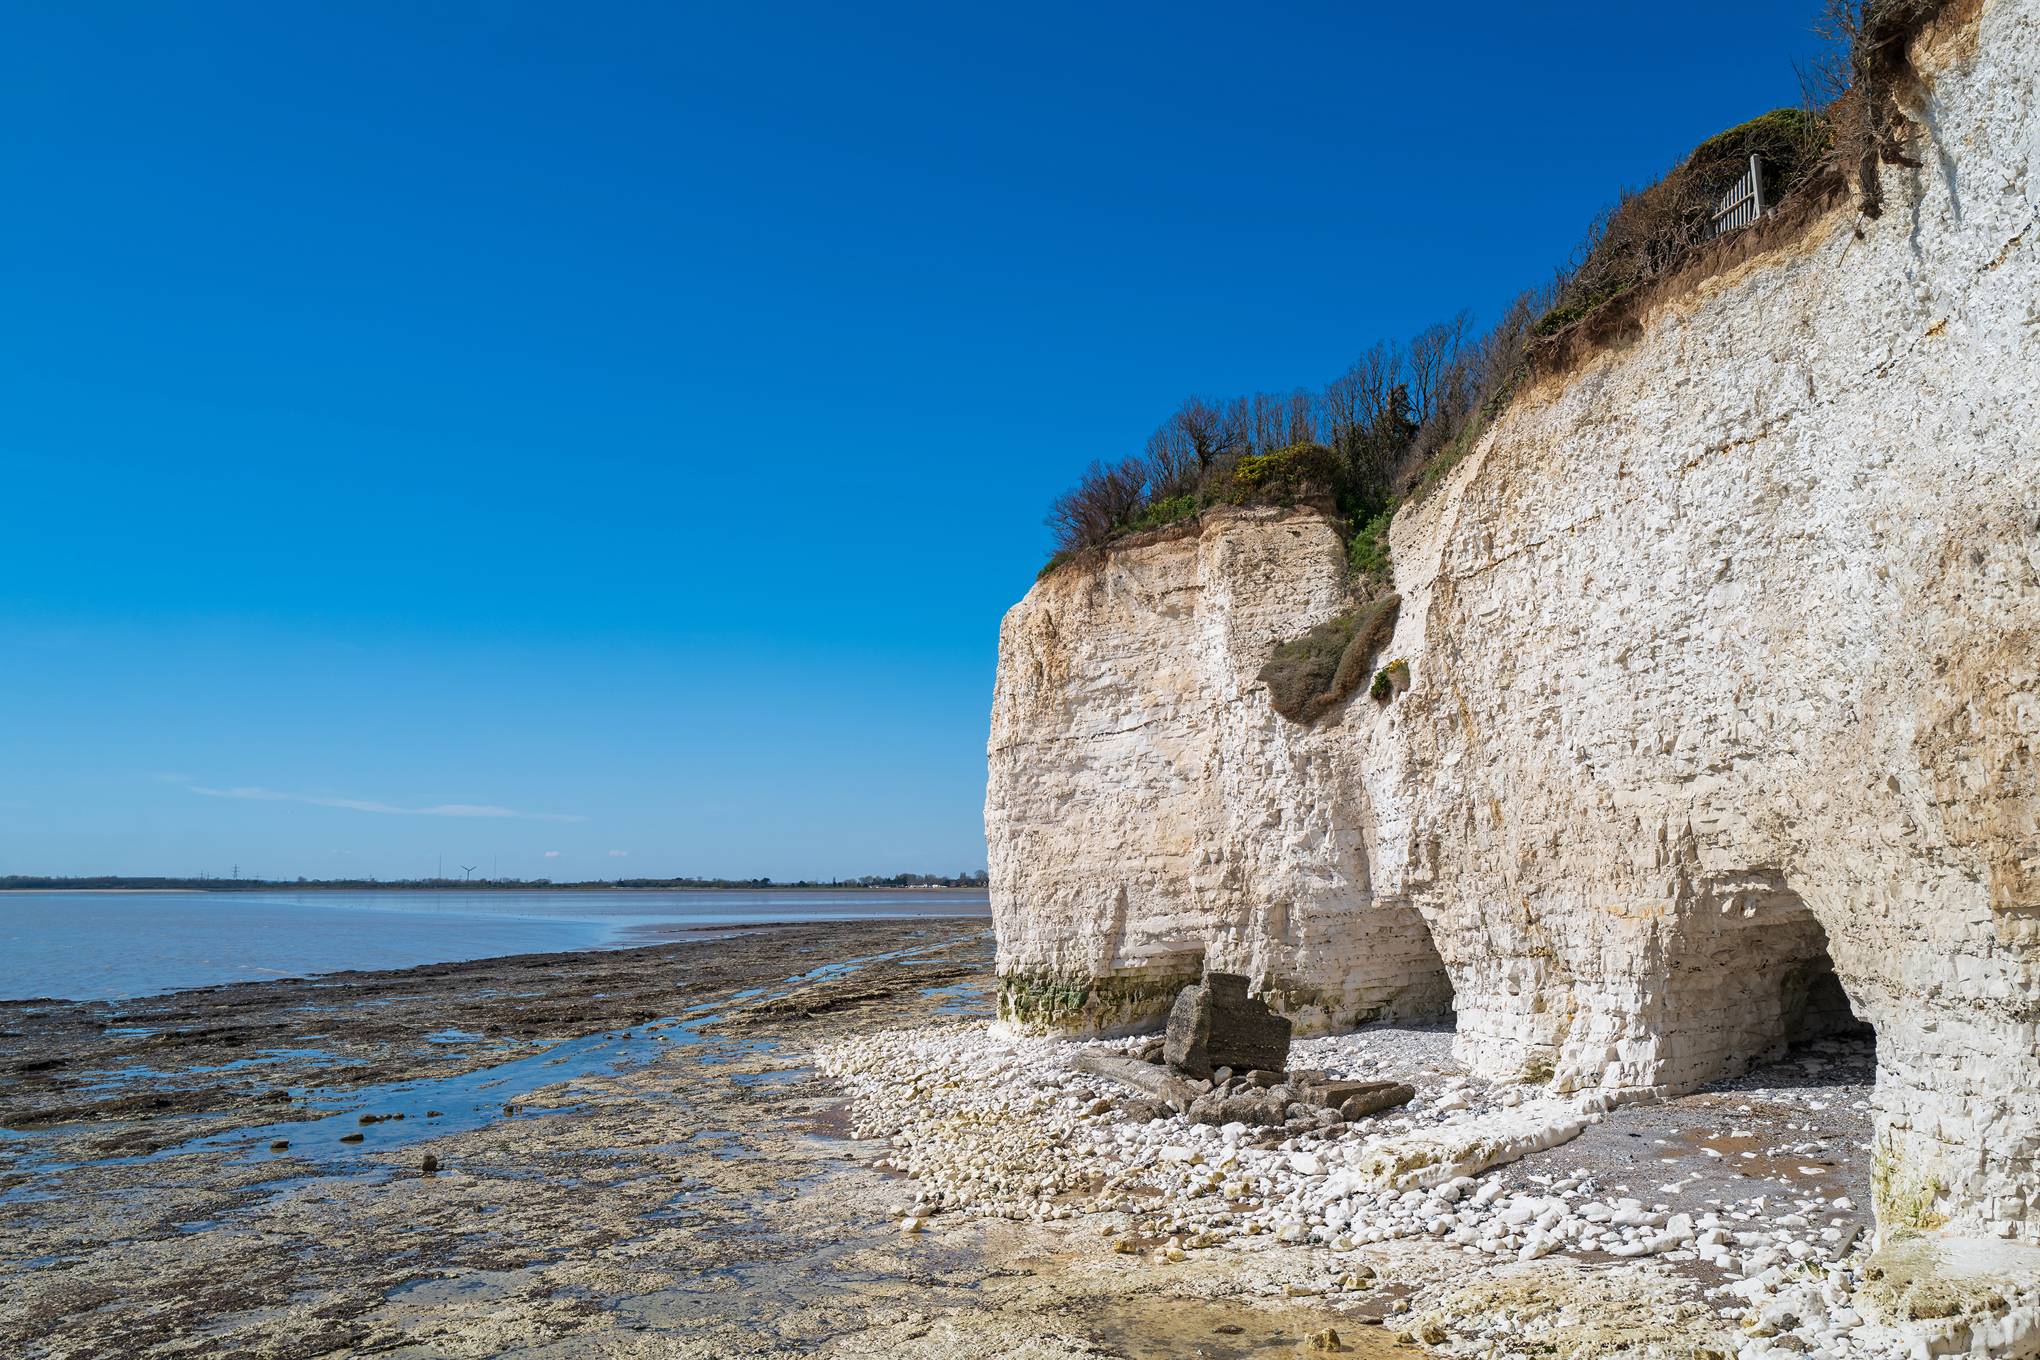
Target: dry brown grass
x: 1310, y: 676
x: 1653, y: 247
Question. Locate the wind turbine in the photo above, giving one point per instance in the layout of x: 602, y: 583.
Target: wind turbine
x: 465, y: 871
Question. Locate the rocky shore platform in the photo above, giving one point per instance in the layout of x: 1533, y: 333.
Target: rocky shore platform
x: 810, y: 1140
x: 1475, y: 1219
x: 611, y: 1154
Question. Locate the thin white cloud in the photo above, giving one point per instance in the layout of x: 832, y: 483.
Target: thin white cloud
x: 371, y: 805
x: 618, y: 854
x: 552, y: 854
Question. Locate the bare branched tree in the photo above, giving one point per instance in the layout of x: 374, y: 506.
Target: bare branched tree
x: 1433, y: 353
x: 1825, y: 78
x: 1499, y: 353
x: 1088, y: 514
x: 1860, y: 75
x: 1236, y: 428
x: 1356, y: 399
x: 1300, y: 418
x: 1173, y: 465
x: 1202, y: 426
x: 1259, y: 431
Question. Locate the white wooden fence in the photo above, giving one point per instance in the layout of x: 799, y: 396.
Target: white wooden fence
x: 1744, y: 203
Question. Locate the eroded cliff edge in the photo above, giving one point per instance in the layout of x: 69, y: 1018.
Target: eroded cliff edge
x: 1724, y: 655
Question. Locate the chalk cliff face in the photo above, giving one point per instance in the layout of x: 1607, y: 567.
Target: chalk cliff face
x: 1150, y: 814
x: 1724, y: 706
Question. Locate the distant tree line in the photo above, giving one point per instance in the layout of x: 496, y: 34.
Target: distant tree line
x: 22, y: 882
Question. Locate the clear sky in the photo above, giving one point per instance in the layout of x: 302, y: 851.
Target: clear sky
x: 601, y: 439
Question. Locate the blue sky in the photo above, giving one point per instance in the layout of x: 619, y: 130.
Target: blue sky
x: 602, y: 439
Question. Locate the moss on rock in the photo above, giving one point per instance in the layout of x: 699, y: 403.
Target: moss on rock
x: 1049, y: 1002
x: 1906, y: 1197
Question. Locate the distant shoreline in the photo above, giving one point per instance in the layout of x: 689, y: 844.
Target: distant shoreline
x: 111, y: 945
x: 498, y: 885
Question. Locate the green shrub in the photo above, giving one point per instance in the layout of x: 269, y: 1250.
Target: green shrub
x: 1163, y: 513
x: 1390, y: 681
x: 1301, y: 670
x: 1367, y: 550
x: 1578, y: 304
x: 1285, y: 474
x: 1315, y: 673
x: 1448, y: 457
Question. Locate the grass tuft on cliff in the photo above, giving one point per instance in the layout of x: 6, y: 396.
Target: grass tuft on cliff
x: 1310, y: 676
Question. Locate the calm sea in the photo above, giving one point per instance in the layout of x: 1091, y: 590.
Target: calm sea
x: 109, y: 945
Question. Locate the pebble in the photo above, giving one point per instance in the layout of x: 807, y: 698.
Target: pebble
x: 994, y: 1126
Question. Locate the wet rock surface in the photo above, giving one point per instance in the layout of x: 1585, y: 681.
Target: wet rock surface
x: 661, y: 1173
x: 697, y: 1185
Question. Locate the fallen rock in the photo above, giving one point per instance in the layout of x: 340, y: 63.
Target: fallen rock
x: 1431, y: 1157
x: 1155, y: 1082
x: 1254, y: 1108
x: 1330, y: 1093
x: 1216, y: 1024
x: 1384, y: 1096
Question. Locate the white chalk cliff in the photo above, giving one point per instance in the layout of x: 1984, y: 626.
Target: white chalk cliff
x: 1724, y: 660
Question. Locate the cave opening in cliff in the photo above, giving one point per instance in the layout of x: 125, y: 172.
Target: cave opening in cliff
x: 1403, y: 952
x: 1768, y: 977
x: 1430, y: 997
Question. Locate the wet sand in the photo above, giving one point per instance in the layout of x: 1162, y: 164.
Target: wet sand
x: 631, y: 1156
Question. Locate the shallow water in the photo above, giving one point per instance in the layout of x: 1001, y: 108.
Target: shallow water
x: 356, y: 1123
x: 1167, y: 1327
x: 105, y: 946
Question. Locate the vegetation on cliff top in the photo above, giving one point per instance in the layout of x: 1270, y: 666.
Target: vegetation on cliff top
x: 1650, y: 231
x: 1350, y: 447
x: 1397, y: 420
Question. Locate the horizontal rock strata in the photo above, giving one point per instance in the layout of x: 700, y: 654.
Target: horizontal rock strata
x: 1722, y: 712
